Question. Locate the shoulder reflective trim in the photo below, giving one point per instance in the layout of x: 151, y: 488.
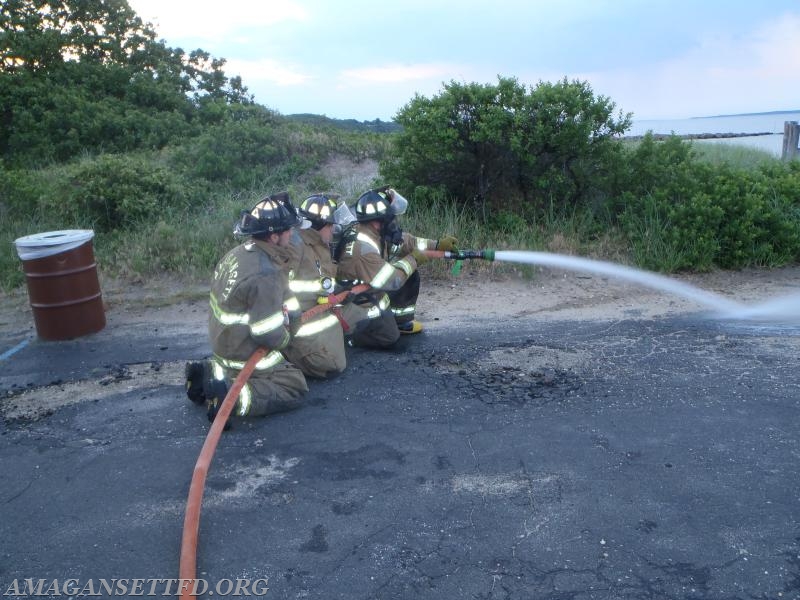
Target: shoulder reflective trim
x: 227, y: 318
x: 384, y: 275
x: 363, y: 237
x: 384, y: 302
x: 306, y: 286
x: 315, y: 327
x: 245, y: 400
x: 269, y: 361
x: 292, y: 304
x: 405, y: 265
x: 270, y: 323
x: 402, y: 312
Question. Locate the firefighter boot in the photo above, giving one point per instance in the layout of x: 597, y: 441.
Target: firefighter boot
x: 194, y: 373
x: 410, y: 327
x: 215, y: 392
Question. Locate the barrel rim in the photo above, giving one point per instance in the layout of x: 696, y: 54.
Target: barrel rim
x: 50, y: 243
x: 54, y: 238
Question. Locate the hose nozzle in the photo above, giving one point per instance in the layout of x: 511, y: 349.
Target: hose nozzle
x: 469, y: 254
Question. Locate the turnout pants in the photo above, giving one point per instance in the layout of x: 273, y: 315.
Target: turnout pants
x: 277, y: 390
x: 404, y: 300
x: 320, y: 355
x: 369, y: 326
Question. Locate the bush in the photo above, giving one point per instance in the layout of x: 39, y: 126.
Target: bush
x: 116, y: 192
x: 508, y: 145
x: 697, y: 216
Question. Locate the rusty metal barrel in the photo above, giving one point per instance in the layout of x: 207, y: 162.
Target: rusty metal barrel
x: 63, y: 287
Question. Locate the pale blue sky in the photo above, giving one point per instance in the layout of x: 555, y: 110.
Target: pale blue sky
x: 364, y: 59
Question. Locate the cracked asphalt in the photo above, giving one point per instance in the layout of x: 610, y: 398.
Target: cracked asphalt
x: 550, y: 460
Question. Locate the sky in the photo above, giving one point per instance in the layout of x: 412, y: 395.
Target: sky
x: 366, y: 59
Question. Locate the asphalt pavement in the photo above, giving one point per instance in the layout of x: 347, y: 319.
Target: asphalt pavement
x: 532, y: 460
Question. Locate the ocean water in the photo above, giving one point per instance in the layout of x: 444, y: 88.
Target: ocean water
x: 756, y: 123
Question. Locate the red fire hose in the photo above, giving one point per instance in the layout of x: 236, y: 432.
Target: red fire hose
x: 191, y: 521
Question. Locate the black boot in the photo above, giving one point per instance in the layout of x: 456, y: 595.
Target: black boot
x: 217, y: 390
x: 194, y: 373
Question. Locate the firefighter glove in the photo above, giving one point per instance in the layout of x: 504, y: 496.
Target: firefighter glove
x: 419, y: 257
x: 447, y: 243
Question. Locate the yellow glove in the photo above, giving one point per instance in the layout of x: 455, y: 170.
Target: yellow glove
x: 448, y: 243
x: 419, y: 257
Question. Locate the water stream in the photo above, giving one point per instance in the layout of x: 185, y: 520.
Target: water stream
x: 785, y: 309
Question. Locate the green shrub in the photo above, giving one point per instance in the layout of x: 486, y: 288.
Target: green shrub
x: 116, y: 192
x: 716, y: 216
x: 234, y: 152
x: 502, y: 145
x: 505, y: 222
x: 693, y: 232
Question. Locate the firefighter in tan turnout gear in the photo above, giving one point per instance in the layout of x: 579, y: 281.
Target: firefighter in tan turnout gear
x: 318, y: 346
x: 386, y: 258
x: 253, y: 306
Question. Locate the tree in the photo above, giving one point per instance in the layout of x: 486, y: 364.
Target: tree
x: 481, y: 144
x: 90, y: 75
x: 43, y: 34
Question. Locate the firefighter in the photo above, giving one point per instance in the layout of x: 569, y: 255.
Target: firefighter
x: 252, y: 306
x: 386, y: 258
x: 318, y: 346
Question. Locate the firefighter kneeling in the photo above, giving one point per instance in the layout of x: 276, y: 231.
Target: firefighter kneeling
x: 383, y: 256
x: 317, y: 347
x: 253, y: 306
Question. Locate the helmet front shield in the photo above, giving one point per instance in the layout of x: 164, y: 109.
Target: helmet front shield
x: 399, y: 204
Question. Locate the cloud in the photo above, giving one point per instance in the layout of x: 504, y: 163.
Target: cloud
x: 719, y: 74
x: 267, y: 70
x: 776, y: 46
x: 394, y: 74
x: 211, y: 20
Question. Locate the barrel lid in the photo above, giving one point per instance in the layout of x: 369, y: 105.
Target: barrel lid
x: 41, y: 245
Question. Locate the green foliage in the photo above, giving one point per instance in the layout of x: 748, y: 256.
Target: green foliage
x: 90, y: 76
x: 680, y: 213
x: 505, y: 222
x: 116, y: 192
x: 506, y: 145
x: 233, y: 152
x: 57, y: 116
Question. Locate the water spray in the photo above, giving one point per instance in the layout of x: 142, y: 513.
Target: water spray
x: 785, y: 309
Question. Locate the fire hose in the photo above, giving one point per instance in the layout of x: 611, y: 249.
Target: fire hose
x: 191, y: 521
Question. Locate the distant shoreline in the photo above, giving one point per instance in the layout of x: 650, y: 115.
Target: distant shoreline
x: 771, y: 112
x: 699, y: 136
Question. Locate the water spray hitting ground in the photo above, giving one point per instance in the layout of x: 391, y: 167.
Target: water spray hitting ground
x: 785, y: 309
